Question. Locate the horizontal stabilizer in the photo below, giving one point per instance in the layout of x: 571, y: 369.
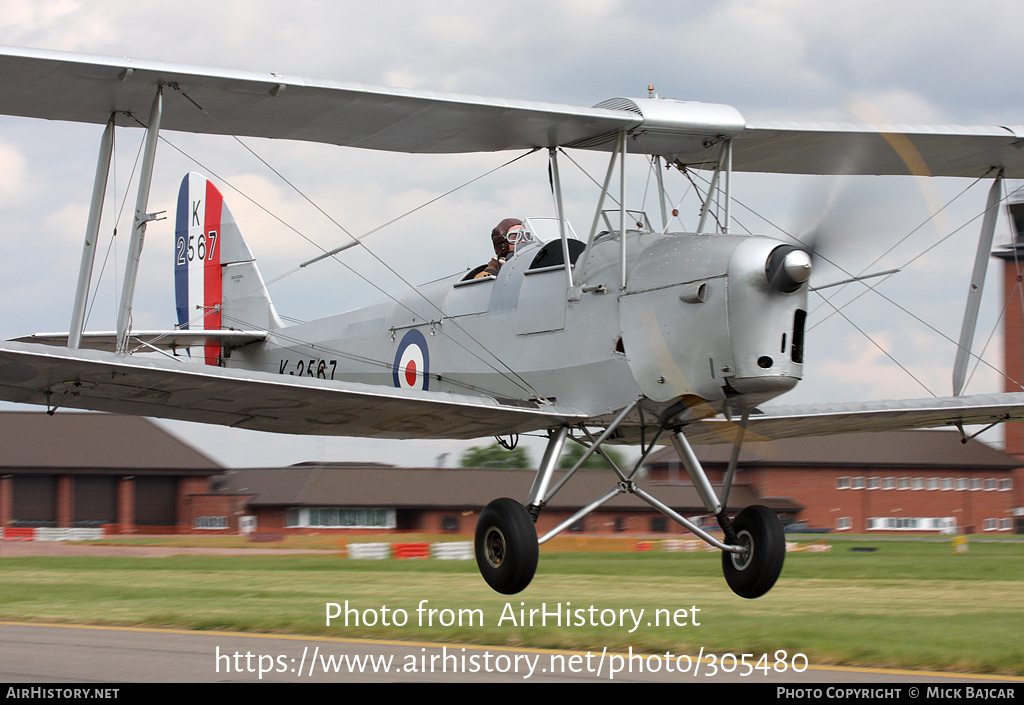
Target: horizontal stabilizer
x: 159, y: 339
x: 162, y: 388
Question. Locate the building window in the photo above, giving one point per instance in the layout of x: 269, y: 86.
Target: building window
x: 941, y: 524
x: 934, y: 483
x: 976, y: 484
x: 963, y: 483
x: 858, y: 483
x: 991, y: 524
x: 1005, y: 484
x: 843, y: 483
x: 918, y: 483
x: 620, y: 524
x: 337, y: 518
x: 904, y: 483
x: 991, y: 484
x: 874, y: 483
x: 948, y: 483
x: 889, y: 484
x: 211, y: 522
x: 844, y: 524
x: 1005, y: 524
x: 659, y: 524
x: 449, y: 523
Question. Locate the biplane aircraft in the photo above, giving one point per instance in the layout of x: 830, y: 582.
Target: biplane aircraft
x: 626, y: 333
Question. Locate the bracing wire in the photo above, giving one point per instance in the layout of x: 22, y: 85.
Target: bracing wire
x: 873, y: 286
x: 113, y: 236
x: 508, y: 372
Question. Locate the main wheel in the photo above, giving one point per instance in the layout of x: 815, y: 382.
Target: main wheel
x: 754, y: 573
x: 506, y: 546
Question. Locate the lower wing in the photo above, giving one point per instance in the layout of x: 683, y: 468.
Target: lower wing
x: 862, y: 417
x: 87, y: 379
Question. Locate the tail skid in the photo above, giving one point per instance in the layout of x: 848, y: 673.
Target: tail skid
x: 217, y: 285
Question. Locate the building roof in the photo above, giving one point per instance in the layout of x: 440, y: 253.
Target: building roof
x: 931, y: 449
x: 441, y: 488
x: 70, y: 441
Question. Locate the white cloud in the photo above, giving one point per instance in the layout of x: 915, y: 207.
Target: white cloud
x: 12, y: 173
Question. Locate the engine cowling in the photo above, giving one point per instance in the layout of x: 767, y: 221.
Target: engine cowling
x: 716, y: 317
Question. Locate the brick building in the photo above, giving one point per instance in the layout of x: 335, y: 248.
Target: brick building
x: 368, y: 498
x: 894, y: 481
x: 125, y: 474
x: 1013, y: 322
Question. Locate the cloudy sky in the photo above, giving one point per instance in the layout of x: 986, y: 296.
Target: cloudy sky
x: 909, y: 62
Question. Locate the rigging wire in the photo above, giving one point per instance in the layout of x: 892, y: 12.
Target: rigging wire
x: 372, y: 284
x: 515, y: 378
x: 713, y: 212
x: 873, y: 286
x: 112, y: 245
x: 995, y: 328
x: 511, y: 375
x: 647, y: 184
x: 904, y: 239
x: 359, y: 240
x: 880, y: 348
x: 607, y: 195
x: 383, y: 363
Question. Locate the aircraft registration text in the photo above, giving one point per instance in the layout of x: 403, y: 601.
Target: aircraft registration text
x: 309, y: 367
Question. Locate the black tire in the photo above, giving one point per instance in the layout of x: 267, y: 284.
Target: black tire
x: 506, y: 546
x: 753, y: 574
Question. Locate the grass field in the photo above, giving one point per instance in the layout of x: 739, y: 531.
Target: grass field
x: 906, y: 604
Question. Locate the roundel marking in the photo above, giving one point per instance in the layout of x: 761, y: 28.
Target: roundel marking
x: 412, y: 362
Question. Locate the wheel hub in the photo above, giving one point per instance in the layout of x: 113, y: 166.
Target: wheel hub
x: 741, y: 561
x: 494, y: 547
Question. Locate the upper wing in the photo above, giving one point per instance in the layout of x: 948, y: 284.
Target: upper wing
x: 37, y: 374
x: 860, y: 417
x: 828, y: 148
x: 84, y: 88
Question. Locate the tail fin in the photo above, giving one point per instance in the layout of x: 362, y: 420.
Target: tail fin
x: 216, y: 282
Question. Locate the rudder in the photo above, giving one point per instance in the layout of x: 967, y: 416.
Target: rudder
x: 216, y: 282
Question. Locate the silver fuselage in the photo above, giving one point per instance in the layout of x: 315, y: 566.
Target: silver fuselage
x: 697, y: 321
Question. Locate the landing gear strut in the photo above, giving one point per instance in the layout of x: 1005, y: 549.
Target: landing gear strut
x: 507, y: 545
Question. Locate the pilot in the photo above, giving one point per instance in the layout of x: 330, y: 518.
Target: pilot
x: 504, y: 238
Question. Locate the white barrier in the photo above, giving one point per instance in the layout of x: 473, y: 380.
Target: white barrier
x: 369, y: 550
x: 53, y: 533
x: 87, y: 534
x: 48, y: 533
x: 452, y: 551
x: 445, y: 551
